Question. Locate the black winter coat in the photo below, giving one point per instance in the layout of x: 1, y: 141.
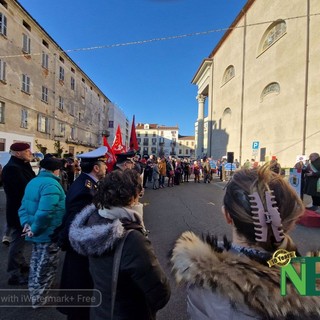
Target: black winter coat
x: 75, y: 272
x: 311, y: 181
x: 143, y: 287
x: 16, y: 174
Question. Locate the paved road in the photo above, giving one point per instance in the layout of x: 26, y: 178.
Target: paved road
x: 168, y: 212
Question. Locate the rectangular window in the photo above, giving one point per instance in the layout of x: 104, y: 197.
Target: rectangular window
x: 2, y: 106
x: 25, y: 83
x: 110, y: 124
x: 73, y: 133
x: 3, y: 24
x: 71, y: 109
x: 61, y: 128
x: 154, y: 141
x: 61, y: 103
x: 24, y: 118
x: 153, y: 150
x: 4, y: 3
x: 43, y: 124
x: 187, y: 151
x: 83, y: 91
x: 45, y: 60
x: 44, y: 96
x: 2, y: 71
x: 61, y: 73
x: 145, y: 141
x: 26, y: 43
x: 45, y: 43
x: 73, y: 83
x: 26, y: 25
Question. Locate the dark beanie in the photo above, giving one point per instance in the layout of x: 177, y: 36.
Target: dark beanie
x: 51, y: 164
x: 19, y: 146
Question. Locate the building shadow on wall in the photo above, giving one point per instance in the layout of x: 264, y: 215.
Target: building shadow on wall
x: 219, y: 141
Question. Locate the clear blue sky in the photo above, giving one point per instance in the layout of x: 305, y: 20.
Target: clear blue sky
x: 153, y: 80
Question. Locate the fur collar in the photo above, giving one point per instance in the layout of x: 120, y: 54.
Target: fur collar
x: 239, y: 279
x: 93, y: 232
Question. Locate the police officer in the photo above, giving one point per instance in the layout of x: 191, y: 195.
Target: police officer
x: 75, y: 273
x: 125, y: 161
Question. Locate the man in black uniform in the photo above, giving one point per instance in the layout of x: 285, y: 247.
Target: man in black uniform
x: 75, y: 272
x: 125, y: 161
x: 15, y: 176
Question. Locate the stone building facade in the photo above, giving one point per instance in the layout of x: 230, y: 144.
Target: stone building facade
x: 154, y: 139
x: 45, y: 98
x: 160, y: 140
x: 261, y: 85
x: 186, y: 147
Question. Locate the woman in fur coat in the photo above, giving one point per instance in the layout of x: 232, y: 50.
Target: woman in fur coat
x: 143, y: 287
x: 232, y: 280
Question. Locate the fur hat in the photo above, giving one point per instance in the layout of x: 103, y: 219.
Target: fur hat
x: 51, y: 164
x: 19, y: 146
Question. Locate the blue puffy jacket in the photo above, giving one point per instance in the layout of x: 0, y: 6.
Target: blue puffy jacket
x: 43, y: 206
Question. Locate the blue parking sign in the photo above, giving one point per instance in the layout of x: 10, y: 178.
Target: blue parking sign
x: 255, y: 145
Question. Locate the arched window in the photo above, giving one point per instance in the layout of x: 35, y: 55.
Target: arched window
x: 228, y: 74
x: 226, y: 113
x: 272, y: 87
x: 275, y: 31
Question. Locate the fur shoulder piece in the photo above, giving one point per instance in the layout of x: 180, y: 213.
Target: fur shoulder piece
x: 239, y: 279
x: 94, y: 239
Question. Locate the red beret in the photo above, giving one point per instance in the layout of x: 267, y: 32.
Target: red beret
x: 19, y: 146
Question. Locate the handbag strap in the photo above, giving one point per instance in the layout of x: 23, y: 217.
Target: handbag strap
x: 115, y: 269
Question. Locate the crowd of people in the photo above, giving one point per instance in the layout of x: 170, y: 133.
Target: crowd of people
x: 161, y: 172
x: 95, y: 217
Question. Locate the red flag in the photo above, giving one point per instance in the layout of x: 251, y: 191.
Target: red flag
x: 111, y: 158
x: 117, y: 146
x: 134, y: 146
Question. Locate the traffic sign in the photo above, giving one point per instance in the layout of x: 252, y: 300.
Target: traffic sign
x: 255, y: 145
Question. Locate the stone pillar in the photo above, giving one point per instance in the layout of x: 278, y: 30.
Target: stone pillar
x: 201, y: 100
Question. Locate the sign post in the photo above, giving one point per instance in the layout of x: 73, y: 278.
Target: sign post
x: 255, y: 145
